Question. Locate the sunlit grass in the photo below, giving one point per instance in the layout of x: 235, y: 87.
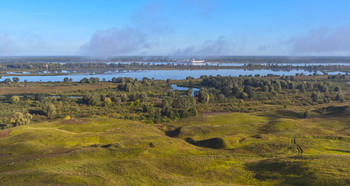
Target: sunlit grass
x: 257, y: 151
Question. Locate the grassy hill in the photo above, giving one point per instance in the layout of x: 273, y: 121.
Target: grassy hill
x: 238, y: 148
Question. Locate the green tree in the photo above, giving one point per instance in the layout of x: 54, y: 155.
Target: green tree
x: 49, y: 108
x: 92, y: 99
x: 124, y: 97
x: 143, y: 97
x: 137, y: 103
x: 118, y: 100
x: 15, y: 79
x: 291, y: 85
x: 168, y: 82
x: 189, y: 92
x: 340, y: 97
x: 164, y: 103
x: 337, y: 89
x: 316, y: 96
x: 193, y: 111
x: 128, y: 87
x: 7, y: 81
x: 266, y: 88
x: 107, y: 102
x: 189, y: 78
x: 20, y: 119
x: 248, y: 89
x: 66, y: 80
x: 203, y: 96
x: 302, y: 88
x: 168, y: 112
x: 148, y: 108
x: 171, y: 93
x: 235, y: 91
x: 119, y: 80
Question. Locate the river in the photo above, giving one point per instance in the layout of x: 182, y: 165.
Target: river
x: 157, y: 74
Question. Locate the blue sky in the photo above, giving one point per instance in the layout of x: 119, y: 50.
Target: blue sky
x: 168, y: 27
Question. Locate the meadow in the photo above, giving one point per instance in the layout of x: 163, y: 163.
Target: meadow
x: 261, y: 131
x: 254, y: 149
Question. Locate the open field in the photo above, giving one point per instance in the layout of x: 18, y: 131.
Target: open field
x: 256, y: 148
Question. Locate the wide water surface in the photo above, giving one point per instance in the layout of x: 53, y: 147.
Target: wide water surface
x: 158, y: 74
x: 230, y: 64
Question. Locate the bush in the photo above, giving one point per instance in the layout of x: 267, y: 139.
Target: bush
x: 107, y: 102
x: 14, y: 99
x: 20, y: 119
x: 48, y: 108
x: 92, y: 99
x: 340, y: 97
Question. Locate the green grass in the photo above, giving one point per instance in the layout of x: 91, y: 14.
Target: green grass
x: 256, y: 150
x: 267, y: 137
x: 110, y: 152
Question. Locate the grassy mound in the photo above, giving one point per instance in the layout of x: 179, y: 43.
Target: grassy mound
x: 238, y: 148
x: 112, y: 152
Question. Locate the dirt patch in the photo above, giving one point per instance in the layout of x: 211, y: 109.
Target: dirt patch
x: 4, y: 133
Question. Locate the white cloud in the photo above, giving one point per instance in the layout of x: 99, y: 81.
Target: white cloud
x: 220, y: 46
x: 7, y: 45
x: 324, y: 41
x: 114, y: 42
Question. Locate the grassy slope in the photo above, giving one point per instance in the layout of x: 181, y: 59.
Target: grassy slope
x: 126, y: 152
x: 110, y: 152
x: 324, y: 139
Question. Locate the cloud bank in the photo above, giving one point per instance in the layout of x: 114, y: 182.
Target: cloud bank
x: 324, y: 41
x: 114, y: 42
x: 220, y: 46
x: 7, y: 45
x: 145, y: 30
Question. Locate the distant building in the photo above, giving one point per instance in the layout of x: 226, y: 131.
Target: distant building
x: 197, y: 61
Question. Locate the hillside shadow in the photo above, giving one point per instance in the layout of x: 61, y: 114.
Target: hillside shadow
x: 173, y: 133
x: 285, y: 171
x: 334, y: 111
x: 339, y: 150
x: 214, y: 143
